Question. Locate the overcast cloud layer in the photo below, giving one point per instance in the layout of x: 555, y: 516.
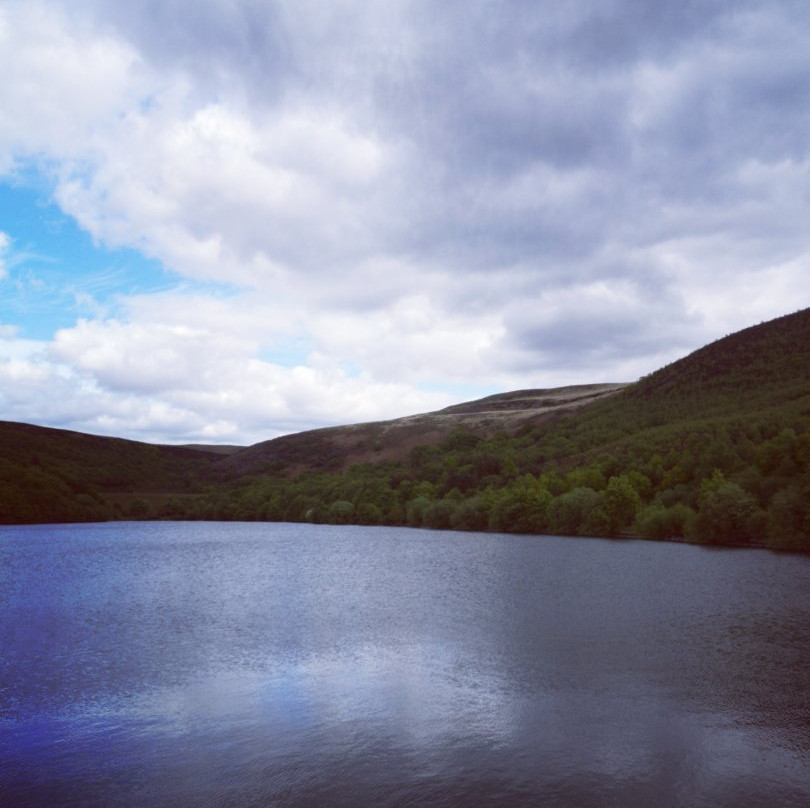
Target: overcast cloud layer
x: 369, y: 209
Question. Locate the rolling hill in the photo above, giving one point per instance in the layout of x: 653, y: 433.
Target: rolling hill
x: 55, y: 475
x: 714, y: 447
x: 335, y: 448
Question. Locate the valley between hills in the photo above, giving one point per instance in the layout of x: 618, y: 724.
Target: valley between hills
x: 714, y: 448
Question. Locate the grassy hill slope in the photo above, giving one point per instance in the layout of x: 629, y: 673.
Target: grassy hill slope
x: 335, y: 448
x: 51, y: 475
x: 756, y: 381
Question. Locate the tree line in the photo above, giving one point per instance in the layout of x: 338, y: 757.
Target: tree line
x: 714, y: 483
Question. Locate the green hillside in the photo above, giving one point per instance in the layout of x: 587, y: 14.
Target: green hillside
x: 712, y: 448
x: 54, y: 475
x: 715, y: 448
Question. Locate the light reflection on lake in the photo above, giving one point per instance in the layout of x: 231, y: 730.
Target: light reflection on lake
x: 163, y: 664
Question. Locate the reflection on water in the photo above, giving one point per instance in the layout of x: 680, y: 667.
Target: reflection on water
x: 225, y: 664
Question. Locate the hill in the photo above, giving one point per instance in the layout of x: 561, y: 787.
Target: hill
x: 211, y: 448
x: 714, y: 447
x: 56, y: 475
x: 335, y: 448
x: 50, y: 475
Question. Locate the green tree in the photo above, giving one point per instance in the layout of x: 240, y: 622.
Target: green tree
x: 340, y: 512
x: 620, y: 503
x: 573, y: 513
x: 658, y: 521
x: 471, y: 514
x: 439, y: 513
x: 367, y: 513
x: 590, y: 476
x: 140, y: 509
x: 788, y: 520
x: 521, y: 507
x: 415, y: 512
x: 727, y: 513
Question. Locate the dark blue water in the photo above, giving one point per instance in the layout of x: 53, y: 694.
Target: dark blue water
x: 289, y: 665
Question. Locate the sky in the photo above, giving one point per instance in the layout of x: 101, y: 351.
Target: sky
x: 228, y: 220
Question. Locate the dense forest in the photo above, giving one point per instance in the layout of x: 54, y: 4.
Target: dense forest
x: 714, y: 448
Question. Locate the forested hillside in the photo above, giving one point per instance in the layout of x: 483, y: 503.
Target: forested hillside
x: 713, y: 448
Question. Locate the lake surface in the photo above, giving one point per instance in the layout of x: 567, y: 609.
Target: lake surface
x: 208, y: 664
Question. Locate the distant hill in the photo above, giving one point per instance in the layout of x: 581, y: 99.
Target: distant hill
x: 213, y: 448
x: 51, y: 475
x: 334, y: 448
x: 714, y: 447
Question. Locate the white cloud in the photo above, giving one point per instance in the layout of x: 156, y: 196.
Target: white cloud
x: 401, y: 198
x: 200, y: 367
x: 62, y: 80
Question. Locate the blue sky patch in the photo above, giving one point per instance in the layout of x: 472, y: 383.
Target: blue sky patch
x: 55, y: 273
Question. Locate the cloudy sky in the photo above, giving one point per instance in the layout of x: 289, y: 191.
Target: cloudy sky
x: 226, y: 220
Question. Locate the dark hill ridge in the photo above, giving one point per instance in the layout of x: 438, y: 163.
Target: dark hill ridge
x: 759, y: 372
x: 213, y: 448
x: 51, y: 474
x: 728, y: 399
x: 766, y: 361
x: 110, y: 462
x: 333, y: 448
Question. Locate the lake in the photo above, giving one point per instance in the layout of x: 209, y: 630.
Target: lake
x: 230, y: 664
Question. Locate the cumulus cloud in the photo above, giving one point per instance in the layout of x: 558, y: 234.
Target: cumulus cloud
x: 224, y: 369
x: 181, y: 393
x: 404, y: 197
